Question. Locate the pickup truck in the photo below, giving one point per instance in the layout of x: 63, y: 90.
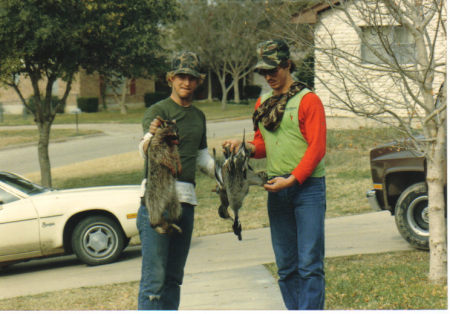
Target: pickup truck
x: 399, y: 186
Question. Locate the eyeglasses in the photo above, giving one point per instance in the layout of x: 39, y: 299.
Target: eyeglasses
x: 271, y: 72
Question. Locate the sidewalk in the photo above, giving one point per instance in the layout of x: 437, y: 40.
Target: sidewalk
x: 223, y: 273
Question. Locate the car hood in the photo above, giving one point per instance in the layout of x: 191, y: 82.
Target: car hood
x: 396, y: 150
x: 110, y: 198
x: 98, y: 189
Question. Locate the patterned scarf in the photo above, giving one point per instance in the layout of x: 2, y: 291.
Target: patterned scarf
x: 271, y: 111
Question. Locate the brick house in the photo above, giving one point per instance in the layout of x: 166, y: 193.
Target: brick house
x: 333, y: 33
x: 84, y: 85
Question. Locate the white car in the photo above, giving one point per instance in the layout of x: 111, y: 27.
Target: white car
x: 95, y: 223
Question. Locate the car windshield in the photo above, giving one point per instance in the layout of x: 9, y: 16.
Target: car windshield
x: 21, y: 184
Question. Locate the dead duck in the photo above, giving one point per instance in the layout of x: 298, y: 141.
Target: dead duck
x: 234, y: 176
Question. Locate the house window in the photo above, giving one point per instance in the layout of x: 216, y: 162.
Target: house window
x: 389, y: 42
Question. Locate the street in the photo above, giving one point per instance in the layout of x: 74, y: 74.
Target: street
x: 117, y: 139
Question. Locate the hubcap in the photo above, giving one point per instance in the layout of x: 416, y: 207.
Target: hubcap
x: 99, y: 241
x: 425, y: 215
x: 417, y: 215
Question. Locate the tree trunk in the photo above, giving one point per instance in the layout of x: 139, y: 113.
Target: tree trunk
x: 103, y: 93
x: 44, y: 159
x: 436, y: 207
x: 237, y: 98
x: 123, y: 106
x: 223, y: 86
x: 224, y: 94
x: 210, y: 98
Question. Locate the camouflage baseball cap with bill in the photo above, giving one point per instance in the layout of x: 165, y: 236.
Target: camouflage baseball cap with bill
x: 271, y: 53
x: 187, y: 62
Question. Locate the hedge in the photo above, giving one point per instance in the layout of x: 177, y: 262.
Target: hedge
x: 252, y: 91
x: 152, y: 98
x: 88, y: 104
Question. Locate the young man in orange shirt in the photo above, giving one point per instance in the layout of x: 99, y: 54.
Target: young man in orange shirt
x: 290, y: 131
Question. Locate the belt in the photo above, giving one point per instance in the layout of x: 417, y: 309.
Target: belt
x: 283, y: 175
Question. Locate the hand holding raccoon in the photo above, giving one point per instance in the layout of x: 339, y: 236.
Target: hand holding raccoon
x: 163, y: 166
x: 154, y: 125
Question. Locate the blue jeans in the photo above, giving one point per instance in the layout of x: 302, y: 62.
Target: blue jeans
x: 163, y: 260
x: 297, y: 217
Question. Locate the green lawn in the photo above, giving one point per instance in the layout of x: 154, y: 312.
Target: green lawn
x: 347, y: 167
x: 389, y: 281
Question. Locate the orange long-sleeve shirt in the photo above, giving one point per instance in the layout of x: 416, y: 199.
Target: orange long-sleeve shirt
x: 312, y: 123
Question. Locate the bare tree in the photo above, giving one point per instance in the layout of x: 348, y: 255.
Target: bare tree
x: 386, y: 60
x: 224, y: 34
x: 119, y: 87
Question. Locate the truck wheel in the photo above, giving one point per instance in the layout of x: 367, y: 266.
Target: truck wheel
x: 411, y: 215
x: 97, y: 240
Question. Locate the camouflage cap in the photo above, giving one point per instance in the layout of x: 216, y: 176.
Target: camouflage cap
x: 186, y: 62
x: 271, y: 53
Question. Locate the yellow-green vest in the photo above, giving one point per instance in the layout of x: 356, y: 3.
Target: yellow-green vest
x: 286, y: 146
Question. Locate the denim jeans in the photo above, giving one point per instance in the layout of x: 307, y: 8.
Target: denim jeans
x: 163, y: 260
x: 296, y: 217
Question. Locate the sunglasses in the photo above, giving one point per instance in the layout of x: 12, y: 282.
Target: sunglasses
x: 271, y: 72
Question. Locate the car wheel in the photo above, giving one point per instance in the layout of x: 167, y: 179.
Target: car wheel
x: 411, y: 215
x: 97, y: 240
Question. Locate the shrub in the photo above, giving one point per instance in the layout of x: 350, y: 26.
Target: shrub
x: 305, y: 71
x: 88, y: 104
x: 252, y: 91
x: 152, y: 98
x: 54, y: 103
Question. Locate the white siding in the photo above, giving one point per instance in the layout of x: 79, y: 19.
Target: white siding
x: 335, y: 41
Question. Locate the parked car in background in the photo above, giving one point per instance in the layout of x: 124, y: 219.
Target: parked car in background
x: 398, y: 175
x: 95, y: 223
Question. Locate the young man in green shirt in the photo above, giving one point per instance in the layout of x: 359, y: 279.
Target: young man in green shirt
x: 164, y: 255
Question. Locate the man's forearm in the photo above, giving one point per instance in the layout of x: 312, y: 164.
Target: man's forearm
x: 143, y: 145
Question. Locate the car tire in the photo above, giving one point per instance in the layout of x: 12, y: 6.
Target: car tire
x: 411, y: 215
x: 97, y: 240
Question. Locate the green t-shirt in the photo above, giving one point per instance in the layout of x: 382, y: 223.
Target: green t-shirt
x: 191, y: 124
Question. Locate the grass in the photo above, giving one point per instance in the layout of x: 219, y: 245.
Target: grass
x: 213, y: 111
x: 389, y: 281
x: 347, y: 167
x: 20, y: 137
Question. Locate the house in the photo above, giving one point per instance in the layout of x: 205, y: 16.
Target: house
x: 347, y: 67
x: 84, y: 85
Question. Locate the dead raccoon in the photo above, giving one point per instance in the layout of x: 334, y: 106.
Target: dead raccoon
x: 163, y: 167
